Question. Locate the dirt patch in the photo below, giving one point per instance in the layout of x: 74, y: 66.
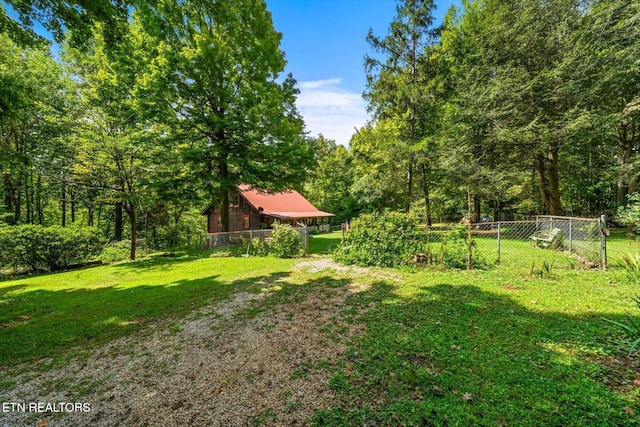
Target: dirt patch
x: 213, y: 369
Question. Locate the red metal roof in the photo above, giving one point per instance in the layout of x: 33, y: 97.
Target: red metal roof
x: 286, y: 205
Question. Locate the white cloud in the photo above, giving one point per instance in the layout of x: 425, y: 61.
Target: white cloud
x: 315, y: 84
x: 330, y: 110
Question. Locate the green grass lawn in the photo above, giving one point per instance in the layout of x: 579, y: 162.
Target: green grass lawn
x: 324, y: 243
x: 41, y: 316
x: 490, y: 347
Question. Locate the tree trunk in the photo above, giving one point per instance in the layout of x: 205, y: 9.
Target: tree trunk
x: 555, y: 207
x: 63, y: 196
x: 72, y: 194
x: 542, y: 181
x: 407, y: 206
x: 626, y: 141
x: 90, y: 208
x: 427, y: 200
x: 28, y: 196
x: 476, y: 208
x: 39, y: 210
x: 224, y: 191
x: 118, y: 225
x: 8, y: 192
x: 131, y: 213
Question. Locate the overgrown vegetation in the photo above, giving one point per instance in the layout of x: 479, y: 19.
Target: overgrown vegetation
x: 285, y: 242
x: 35, y: 248
x: 486, y: 347
x: 384, y: 240
x: 393, y: 239
x: 631, y: 328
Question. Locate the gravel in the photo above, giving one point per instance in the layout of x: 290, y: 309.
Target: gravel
x: 213, y: 369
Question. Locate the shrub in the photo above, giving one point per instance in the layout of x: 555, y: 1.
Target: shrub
x: 633, y: 330
x: 38, y: 248
x: 393, y: 239
x: 285, y: 242
x: 629, y: 215
x: 118, y: 251
x: 387, y: 240
x: 259, y: 247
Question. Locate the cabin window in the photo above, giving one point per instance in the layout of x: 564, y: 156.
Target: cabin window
x: 234, y: 201
x: 245, y: 222
x: 219, y: 220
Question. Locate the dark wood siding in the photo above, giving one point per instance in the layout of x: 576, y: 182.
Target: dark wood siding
x: 235, y: 217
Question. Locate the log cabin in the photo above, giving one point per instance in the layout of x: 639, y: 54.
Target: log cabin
x: 250, y: 209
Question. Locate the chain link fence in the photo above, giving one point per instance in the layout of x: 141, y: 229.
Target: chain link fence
x: 523, y: 242
x: 235, y: 239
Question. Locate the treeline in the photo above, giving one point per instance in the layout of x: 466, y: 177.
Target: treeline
x: 514, y: 107
x: 149, y: 112
x: 152, y: 110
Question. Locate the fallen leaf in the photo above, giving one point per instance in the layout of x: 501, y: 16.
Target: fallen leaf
x: 467, y: 396
x: 629, y: 411
x: 417, y: 397
x: 42, y: 423
x: 636, y: 383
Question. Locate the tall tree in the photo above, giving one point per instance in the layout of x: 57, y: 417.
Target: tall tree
x: 113, y: 142
x: 73, y: 21
x: 213, y: 76
x: 34, y: 106
x: 329, y: 182
x: 395, y: 82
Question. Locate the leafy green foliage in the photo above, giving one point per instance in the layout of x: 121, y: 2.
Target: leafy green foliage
x: 118, y: 251
x: 258, y: 247
x: 228, y: 99
x: 632, y: 329
x: 285, y: 242
x: 38, y: 248
x: 393, y: 239
x: 383, y: 240
x: 629, y: 215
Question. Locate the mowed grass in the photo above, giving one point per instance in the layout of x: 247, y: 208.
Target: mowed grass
x: 508, y: 345
x: 501, y: 346
x: 324, y: 243
x: 42, y: 316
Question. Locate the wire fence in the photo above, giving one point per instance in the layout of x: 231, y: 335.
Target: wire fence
x: 235, y: 239
x: 522, y: 242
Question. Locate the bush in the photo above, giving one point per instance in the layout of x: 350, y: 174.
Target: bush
x: 259, y: 247
x: 38, y: 248
x: 629, y: 215
x: 285, y: 242
x: 393, y: 239
x: 118, y: 251
x: 387, y: 240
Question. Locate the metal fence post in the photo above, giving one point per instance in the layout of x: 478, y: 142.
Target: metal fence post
x: 498, y: 261
x: 602, y: 222
x: 570, y: 235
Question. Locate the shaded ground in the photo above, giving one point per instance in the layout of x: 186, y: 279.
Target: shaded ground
x: 224, y: 366
x: 355, y: 346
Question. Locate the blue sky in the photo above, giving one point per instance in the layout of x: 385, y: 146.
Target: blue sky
x: 325, y: 44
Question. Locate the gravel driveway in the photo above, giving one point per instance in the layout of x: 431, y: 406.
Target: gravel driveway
x: 214, y: 368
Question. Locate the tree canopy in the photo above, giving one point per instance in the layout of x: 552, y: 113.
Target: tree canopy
x: 153, y: 110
